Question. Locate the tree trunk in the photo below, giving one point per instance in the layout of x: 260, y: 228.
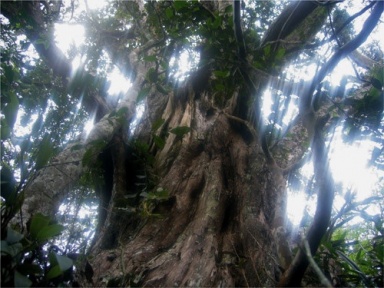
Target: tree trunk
x: 225, y: 209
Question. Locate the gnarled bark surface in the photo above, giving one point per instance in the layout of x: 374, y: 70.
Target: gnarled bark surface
x: 217, y: 226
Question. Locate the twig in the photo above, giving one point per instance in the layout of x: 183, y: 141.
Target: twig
x: 323, y: 279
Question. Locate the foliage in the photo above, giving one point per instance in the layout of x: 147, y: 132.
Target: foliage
x: 31, y: 96
x: 366, y: 115
x: 143, y: 199
x: 351, y: 254
x: 29, y: 260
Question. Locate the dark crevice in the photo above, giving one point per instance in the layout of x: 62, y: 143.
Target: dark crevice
x: 229, y: 214
x: 195, y: 193
x: 104, y: 190
x: 242, y: 130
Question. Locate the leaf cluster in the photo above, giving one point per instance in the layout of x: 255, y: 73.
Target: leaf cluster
x: 29, y: 260
x: 143, y: 198
x: 352, y: 255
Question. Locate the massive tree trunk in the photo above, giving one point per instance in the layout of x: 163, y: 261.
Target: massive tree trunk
x: 223, y: 220
x: 216, y: 228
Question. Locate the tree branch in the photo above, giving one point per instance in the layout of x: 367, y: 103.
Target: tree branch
x: 45, y: 192
x: 238, y: 31
x: 289, y: 19
x: 294, y: 274
x: 352, y: 45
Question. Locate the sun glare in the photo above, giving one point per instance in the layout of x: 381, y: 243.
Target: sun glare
x: 88, y: 127
x: 69, y: 34
x: 96, y: 4
x: 349, y: 166
x: 119, y: 83
x: 266, y: 107
x: 295, y: 207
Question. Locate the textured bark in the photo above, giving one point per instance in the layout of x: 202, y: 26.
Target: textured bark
x: 52, y: 183
x: 217, y: 226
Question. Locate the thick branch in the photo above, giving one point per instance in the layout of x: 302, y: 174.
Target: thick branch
x: 289, y: 19
x: 352, y: 45
x: 54, y: 181
x: 293, y: 275
x: 295, y: 272
x: 238, y: 31
x: 46, y: 191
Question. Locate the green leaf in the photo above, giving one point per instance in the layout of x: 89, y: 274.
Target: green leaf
x: 122, y: 112
x: 11, y: 109
x: 4, y: 247
x: 59, y: 265
x: 77, y: 147
x: 160, y: 194
x: 12, y: 250
x: 228, y: 9
x: 21, y: 280
x: 13, y: 236
x: 221, y: 74
x: 169, y: 13
x: 54, y: 272
x: 267, y: 50
x: 8, y: 182
x: 45, y: 152
x: 88, y: 157
x: 151, y: 75
x: 159, y: 142
x: 143, y: 93
x: 144, y: 194
x: 37, y: 125
x: 112, y: 114
x: 280, y: 53
x: 43, y: 41
x: 9, y: 73
x: 164, y: 65
x: 98, y: 144
x: 157, y: 124
x: 49, y: 232
x: 216, y: 24
x: 64, y: 262
x: 161, y: 89
x: 219, y: 87
x: 5, y: 130
x: 180, y: 5
x: 180, y: 131
x: 150, y: 58
x: 28, y: 269
x: 38, y: 222
x: 376, y: 83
